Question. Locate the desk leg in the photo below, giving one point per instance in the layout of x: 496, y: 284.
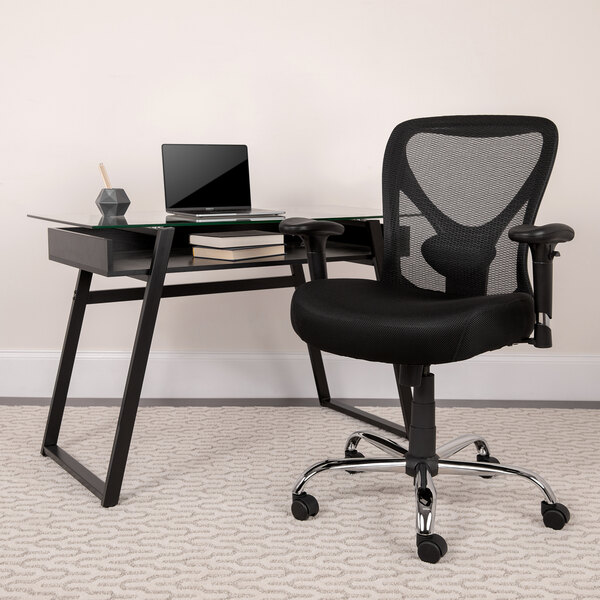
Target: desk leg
x: 67, y: 360
x: 316, y: 360
x: 108, y: 491
x: 137, y: 367
x: 376, y: 237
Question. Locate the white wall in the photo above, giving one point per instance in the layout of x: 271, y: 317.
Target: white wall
x: 314, y: 88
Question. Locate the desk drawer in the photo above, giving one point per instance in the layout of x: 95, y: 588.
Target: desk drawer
x: 95, y: 250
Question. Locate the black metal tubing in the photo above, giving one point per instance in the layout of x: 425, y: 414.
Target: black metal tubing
x: 109, y: 491
x: 297, y: 275
x: 193, y: 289
x: 316, y: 359
x: 137, y: 366
x: 376, y: 237
x: 76, y: 469
x: 365, y: 416
x: 151, y: 294
x: 67, y: 360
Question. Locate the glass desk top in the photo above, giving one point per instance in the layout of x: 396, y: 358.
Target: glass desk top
x: 161, y: 219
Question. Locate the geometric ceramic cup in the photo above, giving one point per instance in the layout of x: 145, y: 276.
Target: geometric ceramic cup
x: 112, y: 202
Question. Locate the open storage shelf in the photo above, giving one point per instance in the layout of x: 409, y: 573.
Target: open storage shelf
x: 128, y: 252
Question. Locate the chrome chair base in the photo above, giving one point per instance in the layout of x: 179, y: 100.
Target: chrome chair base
x: 431, y: 547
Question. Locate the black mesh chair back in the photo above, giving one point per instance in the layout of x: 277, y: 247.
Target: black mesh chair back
x: 454, y: 186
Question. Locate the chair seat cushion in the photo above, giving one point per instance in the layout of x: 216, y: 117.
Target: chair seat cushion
x: 370, y: 320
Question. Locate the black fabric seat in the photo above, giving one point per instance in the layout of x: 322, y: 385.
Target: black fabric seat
x: 370, y: 320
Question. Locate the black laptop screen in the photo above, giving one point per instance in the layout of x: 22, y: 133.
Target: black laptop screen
x: 201, y: 177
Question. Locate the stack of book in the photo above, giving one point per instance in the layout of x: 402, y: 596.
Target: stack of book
x: 237, y: 245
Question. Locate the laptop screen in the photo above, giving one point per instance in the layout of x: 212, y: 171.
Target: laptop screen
x: 205, y: 177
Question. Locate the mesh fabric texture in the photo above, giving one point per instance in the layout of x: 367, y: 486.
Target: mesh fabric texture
x: 465, y: 181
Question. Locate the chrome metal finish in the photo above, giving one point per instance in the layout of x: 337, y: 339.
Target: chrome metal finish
x: 350, y: 464
x: 385, y: 444
x: 479, y: 468
x: 425, y: 497
x: 546, y: 320
x: 461, y: 442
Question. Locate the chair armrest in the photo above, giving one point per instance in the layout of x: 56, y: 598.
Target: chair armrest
x: 314, y: 234
x: 302, y: 226
x: 542, y: 240
x: 553, y: 233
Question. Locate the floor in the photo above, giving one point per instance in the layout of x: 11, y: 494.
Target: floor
x: 204, y: 511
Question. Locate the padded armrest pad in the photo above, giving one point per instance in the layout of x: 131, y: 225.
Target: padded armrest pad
x: 302, y: 226
x: 553, y: 233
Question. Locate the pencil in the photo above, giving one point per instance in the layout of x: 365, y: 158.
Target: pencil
x: 105, y: 176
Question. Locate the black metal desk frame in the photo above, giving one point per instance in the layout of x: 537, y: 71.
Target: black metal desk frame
x: 362, y: 243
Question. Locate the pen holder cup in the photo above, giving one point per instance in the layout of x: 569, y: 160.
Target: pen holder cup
x: 112, y: 202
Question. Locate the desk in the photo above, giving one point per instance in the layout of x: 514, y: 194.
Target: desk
x: 147, y: 246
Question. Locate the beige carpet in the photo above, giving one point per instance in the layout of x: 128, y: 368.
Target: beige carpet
x: 204, y: 511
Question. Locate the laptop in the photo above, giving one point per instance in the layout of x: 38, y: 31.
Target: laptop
x: 209, y: 180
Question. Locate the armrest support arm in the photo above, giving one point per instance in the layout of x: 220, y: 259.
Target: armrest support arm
x: 314, y: 234
x: 542, y: 240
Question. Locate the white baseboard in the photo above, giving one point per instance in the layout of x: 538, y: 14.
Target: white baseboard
x: 272, y: 375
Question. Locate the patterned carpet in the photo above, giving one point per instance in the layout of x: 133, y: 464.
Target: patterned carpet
x: 204, y: 511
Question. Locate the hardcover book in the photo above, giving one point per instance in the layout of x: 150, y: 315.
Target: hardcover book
x: 238, y: 253
x: 236, y: 239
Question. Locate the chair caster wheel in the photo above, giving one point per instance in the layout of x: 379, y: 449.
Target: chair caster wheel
x: 303, y: 506
x: 555, y: 516
x: 353, y: 454
x: 431, y: 548
x: 487, y: 459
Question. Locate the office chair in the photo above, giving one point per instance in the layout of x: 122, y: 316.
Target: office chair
x: 460, y: 196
